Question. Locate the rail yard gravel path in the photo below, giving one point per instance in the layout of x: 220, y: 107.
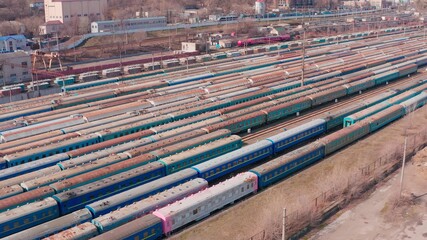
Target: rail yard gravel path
x: 263, y: 211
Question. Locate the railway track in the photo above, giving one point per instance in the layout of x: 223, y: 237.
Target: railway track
x: 329, y: 108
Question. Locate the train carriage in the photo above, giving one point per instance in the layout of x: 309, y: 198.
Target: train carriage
x: 82, y: 231
x: 134, y: 127
x: 384, y: 117
x: 51, y: 150
x: 237, y: 159
x: 277, y: 169
x: 148, y: 227
x: 336, y: 118
x: 140, y: 208
x: 415, y: 102
x: 54, y: 226
x: 360, y: 85
x: 119, y: 200
x: 297, y: 135
x: 26, y: 197
x: 77, y: 198
x: 356, y: 117
x: 344, y: 137
x: 200, y: 154
x: 27, y: 216
x: 202, y: 204
x: 328, y: 95
x: 286, y: 109
x: 386, y: 77
x: 3, y: 163
x: 8, y: 190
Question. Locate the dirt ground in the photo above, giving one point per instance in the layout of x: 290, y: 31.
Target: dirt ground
x: 382, y: 216
x: 263, y: 211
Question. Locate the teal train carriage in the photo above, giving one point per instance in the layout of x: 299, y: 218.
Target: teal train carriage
x: 186, y: 159
x: 385, y: 117
x: 344, y: 137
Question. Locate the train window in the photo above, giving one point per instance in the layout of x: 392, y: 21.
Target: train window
x: 195, y: 211
x: 247, y: 186
x: 16, y: 224
x: 136, y: 238
x: 243, y: 189
x: 145, y: 234
x: 6, y: 228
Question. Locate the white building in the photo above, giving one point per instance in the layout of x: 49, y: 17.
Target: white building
x: 260, y: 7
x: 377, y: 3
x: 15, y: 67
x: 13, y: 43
x: 74, y: 12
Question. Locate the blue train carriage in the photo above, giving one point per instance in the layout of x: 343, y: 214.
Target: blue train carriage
x: 277, y: 169
x: 51, y: 150
x: 32, y: 214
x: 200, y: 154
x: 77, y: 198
x: 3, y: 163
x: 297, y: 135
x: 54, y: 226
x: 385, y: 117
x: 232, y: 161
x: 106, y: 205
x: 203, y: 203
x: 344, y: 137
x: 148, y: 227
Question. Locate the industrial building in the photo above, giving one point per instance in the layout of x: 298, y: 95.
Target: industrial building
x: 12, y: 43
x: 15, y: 67
x: 72, y: 12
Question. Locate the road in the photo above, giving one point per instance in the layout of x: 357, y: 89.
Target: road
x: 379, y: 217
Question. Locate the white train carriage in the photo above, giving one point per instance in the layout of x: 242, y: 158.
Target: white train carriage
x: 203, y: 203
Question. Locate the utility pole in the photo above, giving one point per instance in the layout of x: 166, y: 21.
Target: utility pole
x: 284, y: 225
x: 403, y: 167
x: 303, y: 59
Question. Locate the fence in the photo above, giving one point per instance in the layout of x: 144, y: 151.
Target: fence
x: 299, y: 221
